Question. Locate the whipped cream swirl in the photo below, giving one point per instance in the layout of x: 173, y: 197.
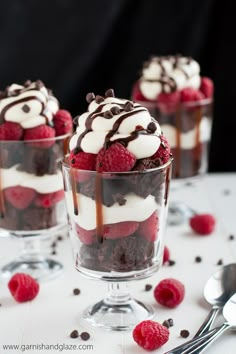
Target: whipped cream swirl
x: 30, y: 105
x: 110, y: 119
x: 167, y: 74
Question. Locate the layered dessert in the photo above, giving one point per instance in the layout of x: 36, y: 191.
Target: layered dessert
x: 116, y: 181
x: 33, y: 135
x: 172, y: 88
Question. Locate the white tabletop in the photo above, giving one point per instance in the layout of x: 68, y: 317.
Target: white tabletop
x: 49, y: 319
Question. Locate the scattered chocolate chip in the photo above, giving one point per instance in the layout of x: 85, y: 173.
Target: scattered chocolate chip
x: 151, y: 127
x: 171, y: 262
x: 198, y: 259
x: 99, y: 99
x: 90, y: 97
x: 128, y: 106
x: 84, y: 335
x: 231, y: 237
x: 171, y: 322
x: 27, y: 83
x: 220, y: 262
x: 166, y: 324
x: 60, y: 238
x: 76, y: 291
x: 107, y: 114
x: 39, y: 84
x: 110, y: 93
x: 184, y: 333
x: 188, y: 184
x: 54, y: 244
x: 54, y: 252
x: 148, y: 287
x: 226, y: 192
x: 74, y: 334
x: 115, y: 110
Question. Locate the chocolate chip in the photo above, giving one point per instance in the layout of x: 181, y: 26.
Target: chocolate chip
x: 226, y: 192
x: 128, y: 106
x: 198, y: 259
x: 59, y: 238
x: 231, y: 237
x: 171, y: 262
x: 54, y: 244
x: 107, y: 114
x: 25, y: 108
x: 171, y: 322
x: 54, y: 252
x: 84, y: 335
x: 39, y: 84
x: 90, y: 97
x: 74, y: 334
x: 115, y: 110
x: 166, y: 324
x: 151, y: 127
x: 27, y: 83
x: 220, y: 262
x: 148, y: 287
x: 184, y: 333
x: 99, y: 99
x: 110, y: 93
x: 76, y: 291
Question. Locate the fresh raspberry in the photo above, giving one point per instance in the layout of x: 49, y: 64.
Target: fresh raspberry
x: 38, y: 133
x: 207, y: 87
x: 203, y: 224
x: 137, y: 94
x: 82, y: 161
x: 23, y: 287
x: 189, y: 94
x: 169, y: 292
x: 19, y: 197
x: 63, y: 123
x: 166, y: 255
x: 149, y: 228
x: 10, y: 131
x: 168, y: 102
x: 86, y: 236
x: 163, y: 151
x: 47, y: 200
x: 120, y: 229
x: 150, y: 335
x: 115, y: 159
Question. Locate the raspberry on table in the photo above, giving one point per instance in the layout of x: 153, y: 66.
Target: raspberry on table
x: 38, y: 133
x: 19, y: 197
x: 150, y: 335
x: 207, y: 87
x: 115, y: 158
x: 189, y: 94
x: 149, y: 228
x: 169, y: 292
x: 203, y: 224
x: 120, y: 229
x: 163, y: 153
x: 23, y: 287
x: 168, y: 102
x: 63, y: 122
x: 11, y: 131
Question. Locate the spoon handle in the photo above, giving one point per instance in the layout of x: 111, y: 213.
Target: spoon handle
x: 208, y: 321
x: 201, y: 345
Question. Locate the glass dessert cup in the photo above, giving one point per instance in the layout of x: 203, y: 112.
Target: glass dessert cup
x: 32, y: 202
x: 187, y: 127
x: 117, y: 224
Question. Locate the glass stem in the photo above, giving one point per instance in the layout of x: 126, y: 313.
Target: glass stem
x: 30, y: 250
x: 118, y: 293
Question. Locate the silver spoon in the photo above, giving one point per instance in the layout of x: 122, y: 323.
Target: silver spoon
x: 218, y: 289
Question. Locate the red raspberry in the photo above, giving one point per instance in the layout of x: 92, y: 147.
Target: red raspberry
x: 19, y: 197
x: 11, y: 131
x: 63, y: 123
x: 150, y: 335
x: 169, y: 292
x: 168, y: 102
x: 203, y: 224
x: 137, y: 94
x: 82, y: 161
x: 23, y: 287
x: 207, y: 87
x: 163, y: 152
x: 47, y: 200
x: 166, y: 255
x: 149, y: 228
x: 115, y: 159
x: 189, y: 94
x: 86, y: 236
x: 38, y: 133
x: 120, y: 229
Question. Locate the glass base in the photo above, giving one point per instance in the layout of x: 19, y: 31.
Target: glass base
x: 41, y: 270
x: 118, y: 317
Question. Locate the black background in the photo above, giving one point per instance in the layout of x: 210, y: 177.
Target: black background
x: 77, y: 46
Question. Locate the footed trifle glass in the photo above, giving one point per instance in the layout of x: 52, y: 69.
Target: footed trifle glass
x: 187, y: 127
x: 32, y: 203
x: 117, y: 225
